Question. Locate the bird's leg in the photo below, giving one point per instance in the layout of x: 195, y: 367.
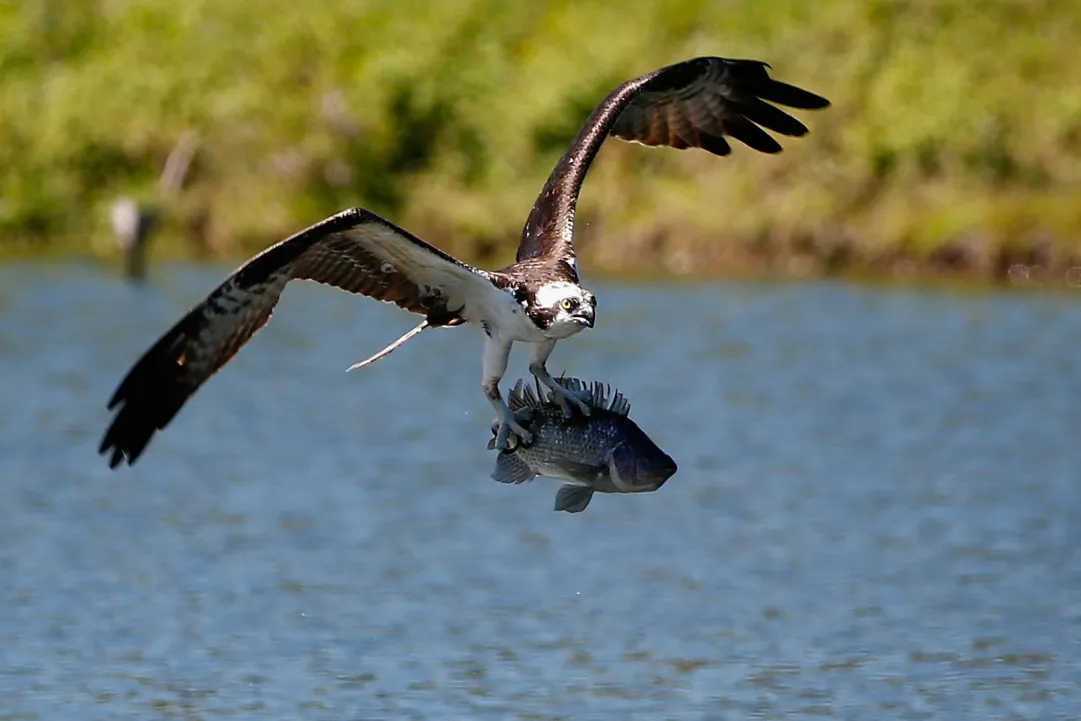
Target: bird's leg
x: 564, y: 397
x: 522, y: 415
x: 496, y: 355
x: 506, y: 422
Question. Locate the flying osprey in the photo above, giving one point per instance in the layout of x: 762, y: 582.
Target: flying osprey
x: 537, y: 300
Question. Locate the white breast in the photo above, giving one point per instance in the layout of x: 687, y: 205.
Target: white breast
x: 507, y: 315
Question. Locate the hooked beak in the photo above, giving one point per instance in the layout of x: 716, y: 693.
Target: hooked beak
x: 584, y: 315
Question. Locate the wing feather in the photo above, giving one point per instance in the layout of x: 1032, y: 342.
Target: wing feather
x: 355, y: 250
x: 715, y: 94
x: 692, y: 104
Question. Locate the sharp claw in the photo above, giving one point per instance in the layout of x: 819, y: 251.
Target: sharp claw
x: 509, y: 427
x: 565, y: 398
x: 504, y: 435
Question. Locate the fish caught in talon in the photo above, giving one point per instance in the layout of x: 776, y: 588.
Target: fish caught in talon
x: 538, y: 300
x: 567, y: 398
x: 510, y: 435
x: 604, y: 452
x: 513, y: 440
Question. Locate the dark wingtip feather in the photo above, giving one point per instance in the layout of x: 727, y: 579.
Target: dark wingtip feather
x: 138, y: 419
x: 751, y: 135
x: 772, y: 118
x: 148, y: 398
x: 129, y: 434
x: 754, y: 74
x: 784, y: 94
x: 715, y: 144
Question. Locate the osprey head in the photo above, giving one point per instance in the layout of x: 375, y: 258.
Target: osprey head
x: 562, y: 309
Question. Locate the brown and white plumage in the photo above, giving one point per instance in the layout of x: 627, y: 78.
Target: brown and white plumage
x: 692, y: 104
x: 536, y: 300
x: 355, y: 250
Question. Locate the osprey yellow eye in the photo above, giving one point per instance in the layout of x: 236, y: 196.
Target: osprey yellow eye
x: 567, y: 303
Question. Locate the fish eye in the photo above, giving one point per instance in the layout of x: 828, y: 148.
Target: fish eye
x: 568, y: 303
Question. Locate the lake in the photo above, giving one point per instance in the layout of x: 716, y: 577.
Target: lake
x: 877, y: 513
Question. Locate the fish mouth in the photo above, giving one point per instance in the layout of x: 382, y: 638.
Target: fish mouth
x: 663, y: 471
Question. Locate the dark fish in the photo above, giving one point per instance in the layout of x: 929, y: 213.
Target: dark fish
x: 603, y: 452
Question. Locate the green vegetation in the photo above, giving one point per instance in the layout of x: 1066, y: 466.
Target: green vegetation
x: 954, y: 139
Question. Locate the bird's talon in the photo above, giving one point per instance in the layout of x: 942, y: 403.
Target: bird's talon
x: 522, y: 415
x: 505, y: 431
x: 565, y: 398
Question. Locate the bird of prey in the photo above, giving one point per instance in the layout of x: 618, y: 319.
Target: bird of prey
x: 537, y: 300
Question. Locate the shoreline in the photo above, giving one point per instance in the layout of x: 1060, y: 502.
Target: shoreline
x: 1037, y: 265
x: 952, y: 146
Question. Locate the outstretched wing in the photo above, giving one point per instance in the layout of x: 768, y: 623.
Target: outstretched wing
x: 693, y: 104
x: 696, y: 103
x: 355, y: 250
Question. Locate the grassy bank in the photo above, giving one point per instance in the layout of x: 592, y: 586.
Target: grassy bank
x: 954, y: 140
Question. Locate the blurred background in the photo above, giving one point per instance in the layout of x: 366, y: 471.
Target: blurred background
x: 953, y: 143
x: 877, y: 511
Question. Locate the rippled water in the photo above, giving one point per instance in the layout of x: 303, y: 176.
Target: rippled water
x: 876, y: 514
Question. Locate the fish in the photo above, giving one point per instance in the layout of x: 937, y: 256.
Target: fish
x: 604, y: 452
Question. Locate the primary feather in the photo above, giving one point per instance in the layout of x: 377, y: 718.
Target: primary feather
x: 355, y: 250
x: 691, y: 104
x: 696, y: 103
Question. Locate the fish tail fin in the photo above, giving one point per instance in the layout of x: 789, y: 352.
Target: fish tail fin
x: 572, y: 498
x: 390, y: 348
x: 509, y: 468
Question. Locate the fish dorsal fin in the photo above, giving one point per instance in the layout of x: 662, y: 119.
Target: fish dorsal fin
x: 596, y: 394
x: 522, y: 396
x: 620, y: 404
x: 572, y: 384
x: 599, y: 395
x: 516, y: 396
x: 532, y: 400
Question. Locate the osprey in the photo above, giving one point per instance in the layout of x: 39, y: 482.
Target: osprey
x: 537, y: 300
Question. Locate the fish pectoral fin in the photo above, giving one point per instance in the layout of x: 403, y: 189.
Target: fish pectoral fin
x: 572, y: 498
x: 509, y: 468
x: 621, y: 468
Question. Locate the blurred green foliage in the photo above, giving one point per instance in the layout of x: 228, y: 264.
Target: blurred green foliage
x: 955, y: 125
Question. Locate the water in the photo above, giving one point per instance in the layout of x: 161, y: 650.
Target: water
x: 876, y: 514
